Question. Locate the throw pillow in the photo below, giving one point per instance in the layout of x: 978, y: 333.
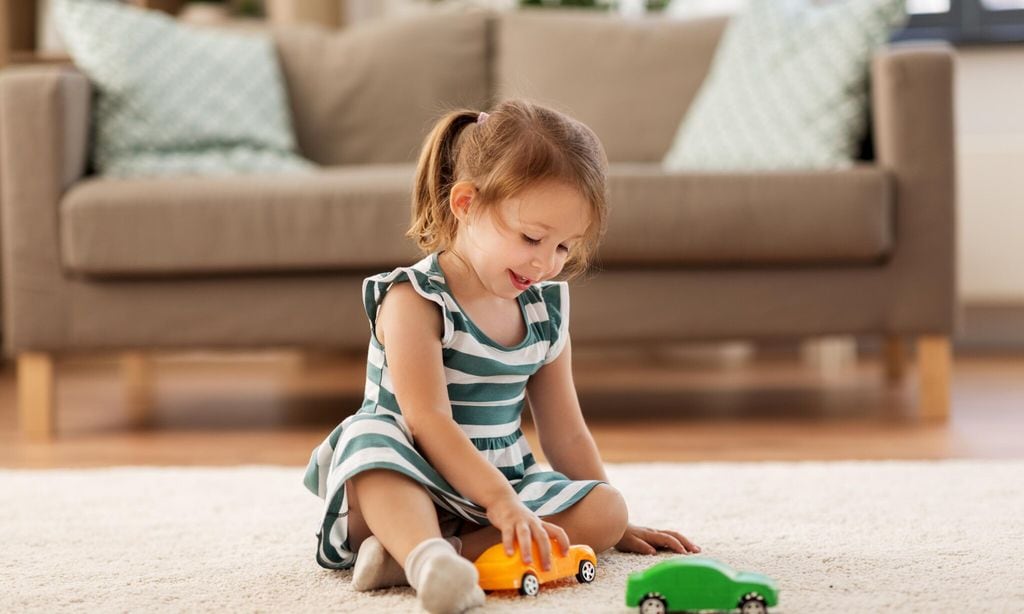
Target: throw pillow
x: 177, y: 99
x: 787, y: 88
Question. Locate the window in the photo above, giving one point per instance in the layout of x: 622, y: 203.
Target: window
x: 965, y: 22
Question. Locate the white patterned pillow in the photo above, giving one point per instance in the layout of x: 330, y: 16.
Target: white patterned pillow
x: 787, y: 88
x: 175, y: 99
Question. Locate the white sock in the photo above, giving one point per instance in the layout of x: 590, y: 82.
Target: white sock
x: 376, y: 568
x: 445, y: 582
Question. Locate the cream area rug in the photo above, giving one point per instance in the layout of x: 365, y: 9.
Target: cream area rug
x: 943, y: 536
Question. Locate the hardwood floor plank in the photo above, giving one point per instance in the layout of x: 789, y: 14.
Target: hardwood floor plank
x: 272, y: 409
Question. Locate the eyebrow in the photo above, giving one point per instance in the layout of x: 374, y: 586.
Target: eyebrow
x: 546, y: 227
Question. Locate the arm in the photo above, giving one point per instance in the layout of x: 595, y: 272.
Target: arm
x: 564, y: 436
x: 410, y: 330
x: 570, y: 448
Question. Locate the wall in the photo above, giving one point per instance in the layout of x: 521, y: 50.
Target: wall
x: 990, y: 152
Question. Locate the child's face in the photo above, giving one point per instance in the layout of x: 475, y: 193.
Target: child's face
x: 524, y: 239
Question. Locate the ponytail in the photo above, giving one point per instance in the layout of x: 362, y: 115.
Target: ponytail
x: 433, y: 225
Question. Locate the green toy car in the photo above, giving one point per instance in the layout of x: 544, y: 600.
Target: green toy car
x: 699, y: 583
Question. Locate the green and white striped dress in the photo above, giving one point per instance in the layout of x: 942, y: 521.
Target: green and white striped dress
x: 487, y: 389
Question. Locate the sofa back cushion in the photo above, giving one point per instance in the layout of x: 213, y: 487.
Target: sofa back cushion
x: 175, y: 99
x: 370, y: 94
x: 630, y: 80
x: 788, y: 88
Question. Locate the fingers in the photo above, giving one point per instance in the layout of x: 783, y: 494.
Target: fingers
x: 662, y: 539
x: 646, y: 541
x: 560, y: 536
x: 689, y: 545
x: 632, y: 543
x: 543, y: 546
x: 526, y: 533
x: 508, y: 539
x: 674, y: 541
x: 523, y: 530
x: 523, y: 537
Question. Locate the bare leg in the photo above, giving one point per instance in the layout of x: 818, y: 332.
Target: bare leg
x: 375, y: 567
x: 357, y: 529
x: 397, y: 510
x: 402, y: 518
x: 598, y: 520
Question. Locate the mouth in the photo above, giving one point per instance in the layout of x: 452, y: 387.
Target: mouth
x: 521, y: 283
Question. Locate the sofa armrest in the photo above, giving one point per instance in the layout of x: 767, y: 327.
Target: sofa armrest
x: 44, y: 127
x: 69, y: 95
x: 913, y: 129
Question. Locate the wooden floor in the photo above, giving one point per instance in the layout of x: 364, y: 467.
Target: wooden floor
x: 273, y: 408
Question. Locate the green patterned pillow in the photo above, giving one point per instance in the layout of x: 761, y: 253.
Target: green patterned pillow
x: 787, y: 87
x: 175, y: 99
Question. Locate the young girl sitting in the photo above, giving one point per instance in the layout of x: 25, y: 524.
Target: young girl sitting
x: 434, y: 464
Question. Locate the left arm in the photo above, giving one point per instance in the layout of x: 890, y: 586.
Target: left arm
x: 564, y: 436
x: 570, y: 448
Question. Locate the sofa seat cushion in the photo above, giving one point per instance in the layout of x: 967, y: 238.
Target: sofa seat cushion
x: 338, y: 218
x: 747, y: 219
x: 354, y: 218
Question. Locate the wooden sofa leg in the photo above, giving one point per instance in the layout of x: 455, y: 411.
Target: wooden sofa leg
x: 895, y: 357
x: 137, y: 378
x: 36, y: 395
x: 934, y: 365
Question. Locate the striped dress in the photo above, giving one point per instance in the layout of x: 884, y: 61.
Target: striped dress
x: 487, y: 388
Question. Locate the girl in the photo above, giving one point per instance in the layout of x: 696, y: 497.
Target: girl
x: 434, y: 465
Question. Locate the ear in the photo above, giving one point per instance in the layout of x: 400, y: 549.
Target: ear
x: 462, y: 195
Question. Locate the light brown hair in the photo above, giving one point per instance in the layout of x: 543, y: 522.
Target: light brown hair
x: 518, y: 145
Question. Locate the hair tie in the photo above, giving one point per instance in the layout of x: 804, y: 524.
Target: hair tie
x: 482, y: 117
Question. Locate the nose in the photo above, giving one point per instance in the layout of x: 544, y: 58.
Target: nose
x: 545, y: 265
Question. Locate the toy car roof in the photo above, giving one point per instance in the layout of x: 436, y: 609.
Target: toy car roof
x: 693, y: 562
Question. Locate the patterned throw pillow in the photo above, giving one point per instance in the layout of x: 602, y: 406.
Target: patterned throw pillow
x: 787, y: 87
x: 175, y: 99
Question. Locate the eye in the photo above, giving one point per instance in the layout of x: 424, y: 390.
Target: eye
x: 564, y: 248
x: 531, y: 240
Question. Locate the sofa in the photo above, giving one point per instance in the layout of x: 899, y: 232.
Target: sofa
x: 276, y: 261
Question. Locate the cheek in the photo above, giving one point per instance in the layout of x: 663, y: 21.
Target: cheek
x: 513, y: 247
x: 563, y: 259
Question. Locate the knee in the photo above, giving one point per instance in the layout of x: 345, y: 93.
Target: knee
x: 612, y: 515
x: 617, y: 512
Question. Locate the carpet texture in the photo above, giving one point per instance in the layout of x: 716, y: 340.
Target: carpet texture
x: 837, y: 537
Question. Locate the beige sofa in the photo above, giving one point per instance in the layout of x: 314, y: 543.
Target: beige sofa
x: 276, y: 261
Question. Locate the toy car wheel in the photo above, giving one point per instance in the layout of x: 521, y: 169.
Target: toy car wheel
x: 587, y: 572
x: 530, y: 585
x: 653, y: 604
x: 752, y: 603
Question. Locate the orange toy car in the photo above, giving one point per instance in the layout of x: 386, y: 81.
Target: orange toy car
x: 499, y: 571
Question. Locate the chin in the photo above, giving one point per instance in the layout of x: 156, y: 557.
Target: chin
x: 511, y: 293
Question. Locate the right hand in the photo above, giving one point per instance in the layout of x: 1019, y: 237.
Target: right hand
x: 517, y: 523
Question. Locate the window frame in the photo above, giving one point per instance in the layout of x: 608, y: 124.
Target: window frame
x: 967, y: 22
